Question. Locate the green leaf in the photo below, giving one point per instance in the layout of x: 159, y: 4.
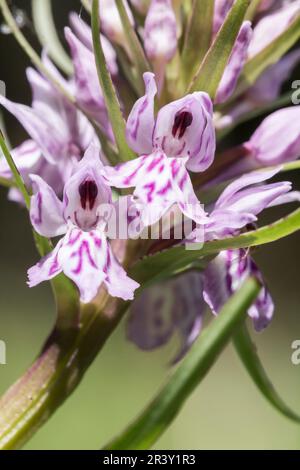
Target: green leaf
x: 268, y: 56
x: 110, y: 97
x: 211, y: 70
x: 137, y: 54
x: 252, y: 9
x: 247, y: 352
x: 158, y: 416
x: 165, y: 263
x: 45, y: 28
x: 198, y: 36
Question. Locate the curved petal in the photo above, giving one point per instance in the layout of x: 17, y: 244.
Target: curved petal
x: 47, y: 268
x: 160, y: 31
x: 277, y: 138
x: 140, y: 122
x: 175, y: 306
x: 225, y: 274
x: 40, y: 131
x: 84, y: 34
x: 271, y: 26
x: 26, y: 156
x: 235, y: 64
x: 46, y: 212
x: 243, y: 182
x: 117, y: 282
x: 184, y: 128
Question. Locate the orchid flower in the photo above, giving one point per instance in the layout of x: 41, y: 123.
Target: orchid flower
x: 178, y: 305
x: 181, y: 137
x: 59, y: 134
x: 84, y: 253
x: 175, y: 307
x: 241, y: 202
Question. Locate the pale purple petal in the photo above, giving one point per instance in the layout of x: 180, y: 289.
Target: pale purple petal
x: 235, y: 64
x: 88, y: 92
x: 117, y: 282
x: 47, y: 268
x: 111, y: 23
x: 175, y: 306
x: 267, y: 87
x: 159, y: 183
x: 46, y: 211
x: 271, y: 26
x: 222, y: 8
x: 224, y: 276
x: 140, y: 122
x: 26, y: 156
x: 82, y: 257
x: 160, y: 37
x: 40, y: 131
x: 184, y: 128
x: 243, y: 182
x: 277, y: 139
x: 84, y: 34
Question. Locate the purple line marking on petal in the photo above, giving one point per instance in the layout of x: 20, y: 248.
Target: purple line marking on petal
x: 175, y: 168
x: 54, y: 268
x: 151, y: 188
x: 183, y: 181
x: 154, y: 163
x: 165, y: 189
x: 74, y: 240
x: 143, y: 107
x: 128, y: 179
x: 84, y: 247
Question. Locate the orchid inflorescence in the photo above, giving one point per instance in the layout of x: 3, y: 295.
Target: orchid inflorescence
x: 130, y: 143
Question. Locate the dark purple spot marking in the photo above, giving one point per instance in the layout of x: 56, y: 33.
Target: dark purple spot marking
x: 151, y: 188
x: 88, y: 192
x: 182, y: 120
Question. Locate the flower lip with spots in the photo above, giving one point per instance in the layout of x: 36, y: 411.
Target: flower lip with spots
x: 181, y: 137
x: 84, y: 253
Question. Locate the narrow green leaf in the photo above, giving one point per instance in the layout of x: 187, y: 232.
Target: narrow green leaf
x: 198, y: 36
x: 211, y: 70
x: 268, y: 56
x: 167, y: 262
x: 247, y: 352
x: 111, y: 100
x: 137, y: 54
x: 45, y: 28
x: 158, y: 416
x: 252, y: 9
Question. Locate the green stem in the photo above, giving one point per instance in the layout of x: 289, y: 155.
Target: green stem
x: 161, y: 412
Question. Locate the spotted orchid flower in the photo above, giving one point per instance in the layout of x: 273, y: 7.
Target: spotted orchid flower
x: 175, y: 307
x: 181, y: 137
x: 241, y: 202
x: 224, y: 276
x: 84, y: 254
x: 59, y: 134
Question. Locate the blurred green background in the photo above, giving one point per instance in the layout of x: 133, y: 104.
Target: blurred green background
x: 226, y: 411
